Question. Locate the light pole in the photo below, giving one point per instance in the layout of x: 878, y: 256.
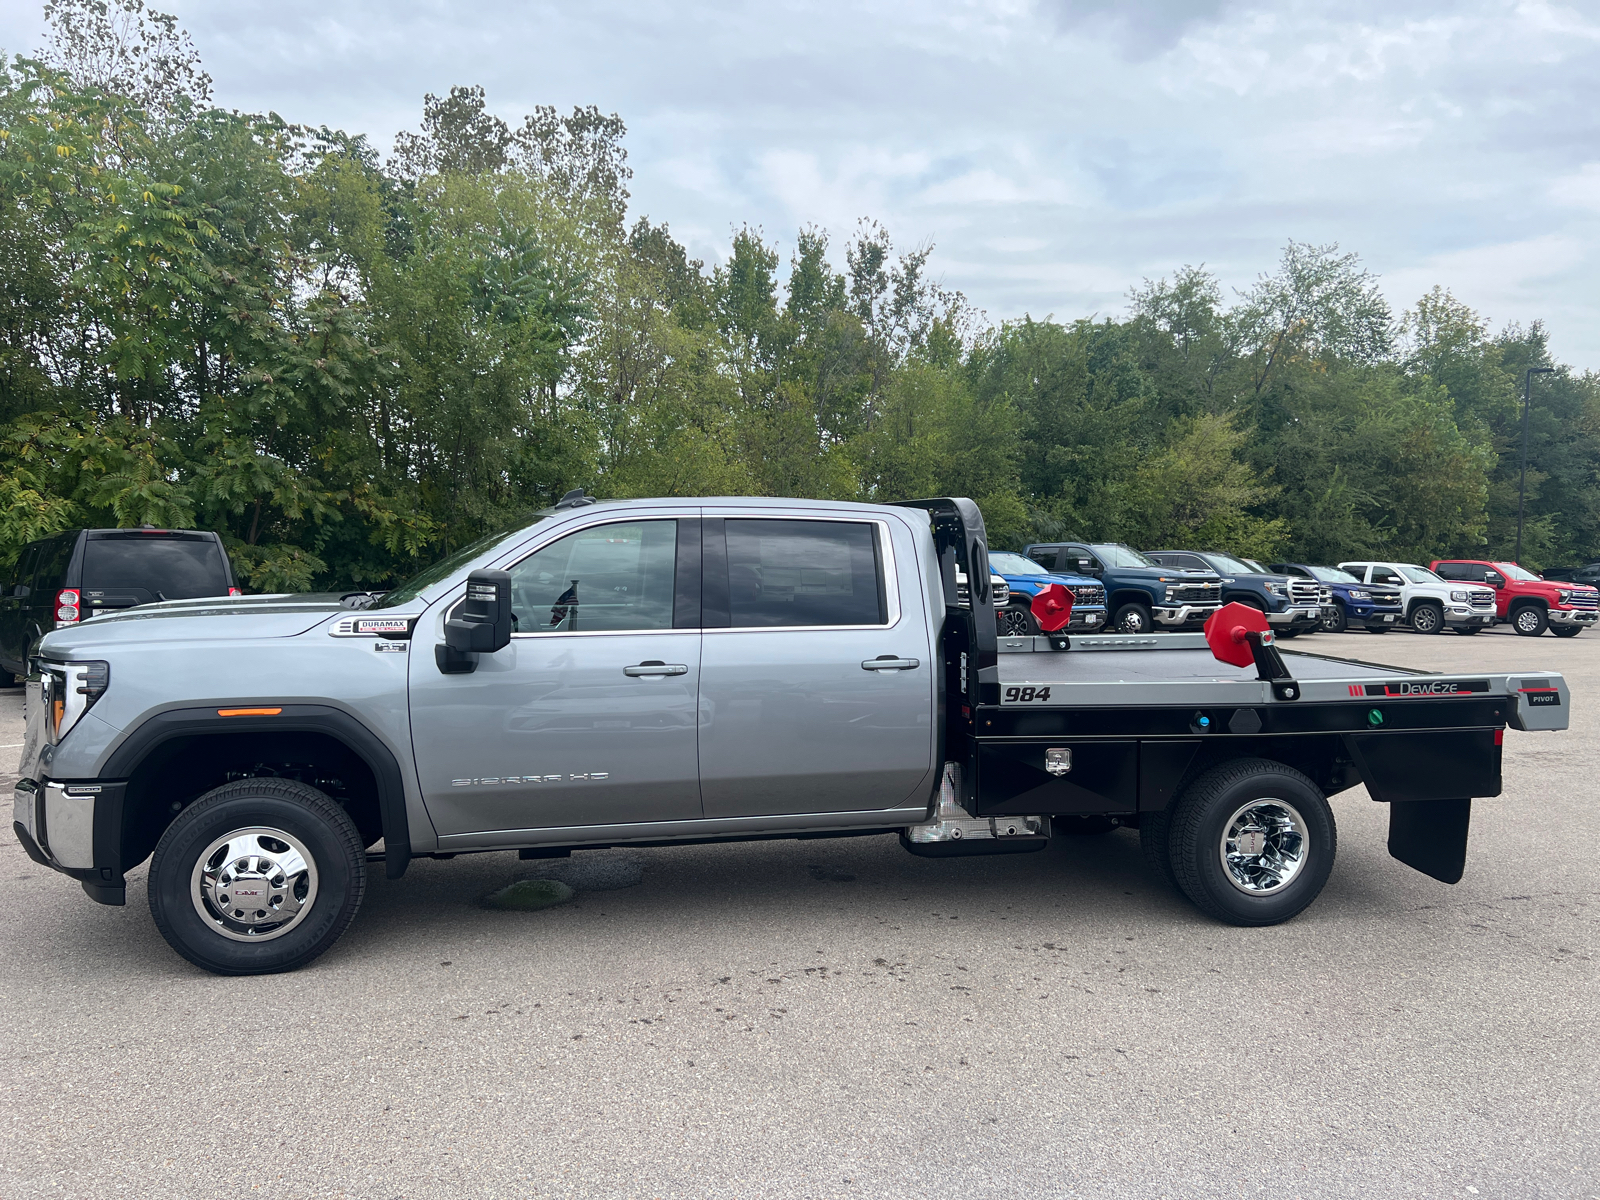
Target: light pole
x: 1522, y: 482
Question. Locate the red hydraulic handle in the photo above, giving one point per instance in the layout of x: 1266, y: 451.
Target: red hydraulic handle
x: 1228, y: 633
x: 1052, y: 608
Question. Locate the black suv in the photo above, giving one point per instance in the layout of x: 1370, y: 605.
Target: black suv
x: 68, y: 576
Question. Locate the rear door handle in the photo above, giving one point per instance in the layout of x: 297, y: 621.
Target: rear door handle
x: 656, y: 667
x: 888, y: 662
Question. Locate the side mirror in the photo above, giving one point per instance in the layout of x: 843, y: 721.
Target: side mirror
x: 1495, y: 581
x: 481, y: 625
x: 21, y: 591
x: 1086, y: 567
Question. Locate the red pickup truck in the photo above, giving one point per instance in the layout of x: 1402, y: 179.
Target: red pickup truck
x: 1529, y: 603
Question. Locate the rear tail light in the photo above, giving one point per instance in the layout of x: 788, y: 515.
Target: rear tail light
x: 66, y: 606
x: 234, y: 592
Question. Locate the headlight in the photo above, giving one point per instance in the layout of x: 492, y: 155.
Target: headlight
x: 1358, y: 594
x: 69, y: 690
x: 1564, y: 597
x: 1277, y: 589
x: 1460, y: 597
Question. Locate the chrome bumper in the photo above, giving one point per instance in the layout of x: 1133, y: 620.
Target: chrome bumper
x: 1464, y: 616
x: 59, y: 819
x: 1573, y: 616
x: 1290, y: 615
x: 1183, y: 614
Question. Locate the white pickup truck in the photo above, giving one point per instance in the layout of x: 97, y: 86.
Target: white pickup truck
x: 1429, y: 602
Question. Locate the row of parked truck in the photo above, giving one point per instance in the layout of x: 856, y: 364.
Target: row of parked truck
x: 1119, y: 589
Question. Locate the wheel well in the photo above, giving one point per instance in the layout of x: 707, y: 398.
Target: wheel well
x: 180, y: 770
x: 1430, y: 601
x: 1528, y: 602
x: 1320, y: 758
x: 1129, y: 596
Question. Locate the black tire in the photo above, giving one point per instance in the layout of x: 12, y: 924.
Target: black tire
x: 1016, y: 620
x: 1132, y: 618
x: 337, y: 871
x: 1336, y: 621
x: 1083, y: 826
x: 1153, y: 843
x: 1529, y: 620
x: 1379, y: 628
x: 1201, y: 817
x: 1566, y: 630
x: 1427, y: 618
x: 1468, y: 630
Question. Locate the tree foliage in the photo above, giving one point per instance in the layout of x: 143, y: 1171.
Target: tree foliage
x: 349, y: 366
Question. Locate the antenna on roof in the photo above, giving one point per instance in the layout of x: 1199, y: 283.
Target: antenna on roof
x: 574, y: 499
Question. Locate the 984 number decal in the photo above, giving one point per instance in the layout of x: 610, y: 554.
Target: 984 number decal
x: 1026, y: 695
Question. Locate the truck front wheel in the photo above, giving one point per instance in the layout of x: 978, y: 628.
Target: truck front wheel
x: 1529, y: 620
x: 1015, y: 620
x: 1251, y: 842
x: 1427, y: 618
x: 1334, y: 619
x: 1132, y: 618
x: 257, y: 876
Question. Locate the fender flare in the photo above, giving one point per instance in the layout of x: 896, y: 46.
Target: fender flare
x: 294, y: 718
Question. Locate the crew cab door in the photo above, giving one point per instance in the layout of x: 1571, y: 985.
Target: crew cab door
x: 588, y: 716
x: 817, y: 677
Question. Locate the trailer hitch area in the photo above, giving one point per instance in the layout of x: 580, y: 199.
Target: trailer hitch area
x: 1239, y: 635
x: 1052, y: 612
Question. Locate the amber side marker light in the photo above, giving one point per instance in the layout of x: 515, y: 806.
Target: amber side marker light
x: 248, y: 712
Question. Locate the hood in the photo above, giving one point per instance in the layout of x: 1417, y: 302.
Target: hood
x: 216, y: 618
x: 1170, y: 574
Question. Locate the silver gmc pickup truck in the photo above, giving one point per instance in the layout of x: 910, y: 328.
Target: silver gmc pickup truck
x: 658, y: 671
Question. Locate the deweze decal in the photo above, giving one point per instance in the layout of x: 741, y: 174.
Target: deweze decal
x: 1404, y: 688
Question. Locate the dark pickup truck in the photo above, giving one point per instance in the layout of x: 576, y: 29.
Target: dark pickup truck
x: 1292, y: 605
x: 1141, y: 594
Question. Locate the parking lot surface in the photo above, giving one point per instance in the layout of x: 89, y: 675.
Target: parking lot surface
x: 839, y: 1018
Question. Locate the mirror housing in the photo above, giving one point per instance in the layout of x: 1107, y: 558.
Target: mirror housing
x: 1086, y: 567
x: 481, y: 624
x: 1496, y: 581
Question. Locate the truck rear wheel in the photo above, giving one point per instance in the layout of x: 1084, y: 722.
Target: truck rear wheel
x: 1529, y: 620
x: 1251, y: 842
x: 1132, y: 618
x: 257, y: 876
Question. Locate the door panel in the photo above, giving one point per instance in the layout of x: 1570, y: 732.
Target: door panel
x: 790, y: 720
x: 593, y: 723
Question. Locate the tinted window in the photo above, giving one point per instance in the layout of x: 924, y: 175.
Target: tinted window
x: 1460, y: 571
x: 803, y: 573
x: 607, y: 578
x: 1045, y: 558
x: 162, y: 568
x: 1384, y: 575
x: 24, y: 571
x: 50, y: 572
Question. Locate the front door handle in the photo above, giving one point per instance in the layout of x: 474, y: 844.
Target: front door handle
x: 888, y: 662
x: 656, y: 667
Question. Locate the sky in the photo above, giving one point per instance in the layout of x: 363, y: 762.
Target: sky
x: 1055, y: 152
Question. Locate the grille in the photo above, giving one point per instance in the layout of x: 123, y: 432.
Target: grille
x: 1384, y: 597
x: 1195, y: 593
x: 1001, y: 590
x: 1304, y: 591
x: 1585, y: 599
x: 1088, y: 593
x: 1484, y: 600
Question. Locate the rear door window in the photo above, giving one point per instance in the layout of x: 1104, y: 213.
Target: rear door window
x: 804, y: 573
x: 139, y: 568
x: 50, y: 574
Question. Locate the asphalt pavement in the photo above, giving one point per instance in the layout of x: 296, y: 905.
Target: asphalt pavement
x: 822, y: 1019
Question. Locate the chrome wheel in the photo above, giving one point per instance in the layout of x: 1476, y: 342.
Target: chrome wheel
x: 255, y: 884
x: 1529, y: 621
x: 1263, y: 846
x: 1425, y: 618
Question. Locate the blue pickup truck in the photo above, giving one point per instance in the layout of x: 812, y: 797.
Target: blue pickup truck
x: 1293, y: 605
x: 1141, y: 594
x: 1027, y: 579
x: 1349, y: 602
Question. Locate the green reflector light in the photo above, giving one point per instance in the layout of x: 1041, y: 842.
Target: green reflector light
x: 1375, y: 717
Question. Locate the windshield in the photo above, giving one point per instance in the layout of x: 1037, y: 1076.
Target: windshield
x: 1226, y: 562
x: 1121, y: 556
x: 1512, y: 571
x: 1332, y: 575
x: 1420, y: 575
x: 423, y: 580
x: 1008, y: 563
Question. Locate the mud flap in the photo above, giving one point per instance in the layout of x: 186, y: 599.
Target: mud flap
x: 1431, y: 836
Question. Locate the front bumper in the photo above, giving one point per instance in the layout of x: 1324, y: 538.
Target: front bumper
x: 1573, y: 616
x: 1461, y: 615
x: 74, y: 828
x: 1183, y: 614
x: 1086, y: 620
x: 1306, y: 614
